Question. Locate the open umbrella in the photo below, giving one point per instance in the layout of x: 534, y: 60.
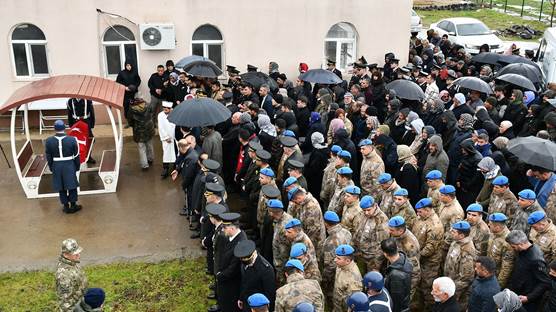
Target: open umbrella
x: 473, y: 83
x: 321, y: 76
x: 534, y: 151
x: 257, y: 79
x: 526, y: 70
x: 201, y: 68
x: 518, y: 80
x: 199, y: 112
x: 512, y: 59
x: 189, y: 59
x: 486, y: 58
x: 406, y: 89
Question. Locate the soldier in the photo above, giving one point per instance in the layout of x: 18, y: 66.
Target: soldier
x: 408, y: 243
x: 337, y: 235
x: 450, y: 212
x: 429, y: 232
x: 257, y: 275
x: 402, y: 207
x: 348, y: 278
x: 266, y: 177
x: 304, y: 307
x: 298, y: 289
x: 358, y: 301
x: 329, y: 177
x: 371, y: 168
x: 388, y: 186
x: 295, y: 169
x: 250, y: 185
x: 291, y: 151
x: 543, y: 234
x: 216, y: 241
x: 71, y: 281
x: 372, y: 229
x: 299, y: 252
x: 502, y: 199
x: 550, y: 207
x: 294, y: 234
x: 343, y: 180
x: 527, y: 204
x: 460, y: 262
x: 351, y: 211
x: 434, y: 183
x: 310, y: 215
x: 498, y: 249
x: 280, y: 245
x: 479, y: 229
x: 289, y: 184
x: 258, y: 303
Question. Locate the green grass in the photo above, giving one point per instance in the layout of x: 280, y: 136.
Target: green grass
x: 166, y: 286
x: 494, y: 20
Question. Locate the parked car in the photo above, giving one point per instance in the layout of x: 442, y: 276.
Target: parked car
x: 416, y: 23
x: 469, y: 33
x: 546, y: 55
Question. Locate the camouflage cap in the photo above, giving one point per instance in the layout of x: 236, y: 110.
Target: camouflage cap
x: 70, y: 246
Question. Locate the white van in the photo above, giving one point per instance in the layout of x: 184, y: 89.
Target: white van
x: 546, y: 55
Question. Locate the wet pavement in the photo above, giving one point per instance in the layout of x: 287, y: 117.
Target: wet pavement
x: 139, y: 222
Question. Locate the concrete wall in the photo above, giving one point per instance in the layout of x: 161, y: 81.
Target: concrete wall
x: 254, y: 31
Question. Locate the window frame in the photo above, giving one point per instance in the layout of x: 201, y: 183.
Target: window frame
x: 206, y: 44
x: 339, y: 42
x: 121, y: 44
x: 28, y: 55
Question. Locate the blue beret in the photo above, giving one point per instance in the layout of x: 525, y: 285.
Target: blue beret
x: 497, y: 217
x: 292, y: 192
x: 434, y: 175
x: 527, y: 194
x: 297, y: 250
x: 425, y: 202
x: 335, y: 149
x: 461, y: 225
x: 344, y: 170
x: 257, y: 300
x: 474, y: 208
x: 536, y: 217
x: 294, y: 263
x: 293, y: 222
x: 275, y: 203
x: 366, y: 202
x: 59, y: 125
x: 331, y: 217
x: 365, y: 142
x: 385, y: 177
x: 501, y: 180
x: 267, y: 172
x: 344, y: 250
x: 352, y: 189
x: 396, y: 221
x: 289, y: 181
x: 288, y: 133
x: 401, y: 192
x: 344, y: 154
x: 447, y: 189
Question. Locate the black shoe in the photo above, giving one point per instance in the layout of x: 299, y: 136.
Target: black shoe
x: 150, y: 162
x: 165, y: 173
x: 211, y: 295
x: 195, y: 235
x: 91, y: 160
x: 214, y: 308
x: 75, y: 208
x: 66, y: 209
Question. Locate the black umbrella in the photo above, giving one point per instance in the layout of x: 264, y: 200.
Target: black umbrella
x: 199, y: 112
x: 189, y: 59
x: 518, y: 80
x: 473, y: 83
x: 320, y: 76
x: 526, y: 70
x: 406, y: 89
x: 205, y: 69
x: 257, y: 79
x: 534, y: 151
x: 486, y: 58
x: 512, y: 59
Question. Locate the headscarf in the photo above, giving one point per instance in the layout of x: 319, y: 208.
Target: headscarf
x: 488, y: 164
x: 460, y: 97
x: 418, y: 125
x: 372, y: 122
x: 314, y: 118
x: 265, y: 125
x: 438, y: 106
x: 518, y: 96
x: 529, y: 97
x: 467, y: 121
x: 500, y: 142
x: 405, y: 155
x: 507, y: 301
x: 317, y: 140
x: 336, y: 124
x: 273, y: 66
x: 176, y: 79
x: 244, y: 118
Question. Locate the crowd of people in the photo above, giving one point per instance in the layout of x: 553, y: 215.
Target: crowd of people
x: 350, y: 198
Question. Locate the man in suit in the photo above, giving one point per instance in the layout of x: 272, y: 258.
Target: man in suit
x: 266, y: 100
x: 331, y: 66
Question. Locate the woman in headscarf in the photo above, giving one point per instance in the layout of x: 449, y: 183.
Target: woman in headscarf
x: 516, y: 110
x: 533, y: 121
x: 267, y: 134
x: 315, y: 125
x: 314, y: 169
x: 508, y: 301
x: 378, y: 91
x: 407, y: 175
x: 335, y: 125
x: 348, y: 125
x: 393, y: 107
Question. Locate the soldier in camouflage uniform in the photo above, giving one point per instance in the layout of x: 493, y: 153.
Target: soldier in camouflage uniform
x: 299, y: 252
x: 543, y: 234
x: 429, y: 232
x: 371, y: 168
x: 388, y: 186
x: 460, y: 262
x: 298, y: 289
x: 337, y: 235
x: 527, y: 204
x: 294, y: 234
x: 280, y: 245
x: 434, y: 183
x: 502, y: 199
x: 500, y: 250
x: 348, y: 278
x: 450, y: 212
x: 372, y: 230
x: 402, y: 207
x: 329, y: 177
x: 351, y: 211
x: 343, y: 180
x: 266, y: 177
x: 550, y: 207
x: 71, y: 282
x: 309, y: 213
x: 480, y: 232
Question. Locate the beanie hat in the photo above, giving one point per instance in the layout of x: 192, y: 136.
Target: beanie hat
x: 94, y: 297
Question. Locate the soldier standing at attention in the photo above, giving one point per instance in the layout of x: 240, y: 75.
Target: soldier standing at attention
x: 348, y: 278
x: 479, y: 229
x: 498, y: 249
x: 71, y: 281
x: 62, y: 154
x: 298, y: 289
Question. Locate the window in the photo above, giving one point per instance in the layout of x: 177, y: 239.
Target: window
x: 29, y: 51
x: 450, y: 27
x: 443, y: 25
x: 207, y: 41
x: 341, y: 44
x: 119, y: 45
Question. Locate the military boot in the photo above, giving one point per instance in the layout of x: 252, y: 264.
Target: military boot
x: 66, y: 208
x: 75, y: 208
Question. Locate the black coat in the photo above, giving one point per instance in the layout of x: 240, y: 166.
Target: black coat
x: 307, y: 146
x: 258, y: 278
x: 482, y: 291
x: 342, y: 140
x: 398, y: 282
x: 127, y: 78
x: 314, y: 170
x: 550, y: 304
x: 408, y: 178
x: 228, y: 276
x: 454, y: 153
x: 302, y: 117
x: 462, y: 109
x: 389, y: 152
x: 450, y: 305
x: 529, y: 276
x: 515, y: 112
x: 156, y: 82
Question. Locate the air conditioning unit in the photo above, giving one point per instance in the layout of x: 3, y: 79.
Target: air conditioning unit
x: 157, y: 36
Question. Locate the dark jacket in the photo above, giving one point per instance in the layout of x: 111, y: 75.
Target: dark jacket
x: 482, y: 291
x: 186, y: 166
x: 63, y: 171
x: 228, y: 276
x: 462, y: 109
x: 450, y: 305
x: 398, y: 282
x: 156, y: 82
x: 529, y: 276
x: 257, y: 278
x: 140, y: 120
x: 389, y: 152
x: 454, y: 153
x: 307, y: 145
x: 550, y: 304
x: 408, y: 178
x: 469, y: 179
x: 342, y: 140
x: 302, y: 115
x: 314, y: 170
x: 127, y: 78
x: 515, y: 112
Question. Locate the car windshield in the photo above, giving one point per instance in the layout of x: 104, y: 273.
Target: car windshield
x: 472, y: 29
